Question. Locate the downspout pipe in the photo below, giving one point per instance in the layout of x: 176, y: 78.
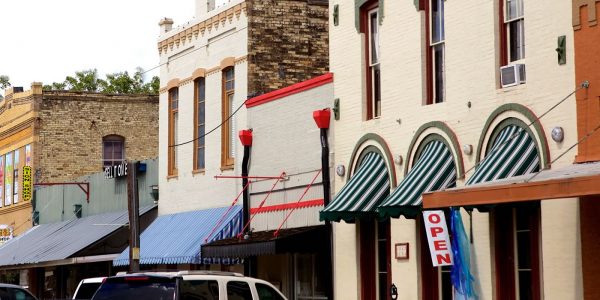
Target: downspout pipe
x: 246, y: 139
x: 323, y: 118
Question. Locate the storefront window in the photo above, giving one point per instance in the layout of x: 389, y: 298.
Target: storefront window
x: 16, y: 179
x: 310, y: 277
x: 8, y: 180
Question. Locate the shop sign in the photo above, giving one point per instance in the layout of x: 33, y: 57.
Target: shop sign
x: 27, y: 183
x: 115, y: 171
x: 438, y: 238
x: 6, y: 233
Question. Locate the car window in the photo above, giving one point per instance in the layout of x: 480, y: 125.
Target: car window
x: 199, y: 290
x: 137, y: 287
x: 266, y: 292
x: 87, y: 289
x: 18, y: 294
x: 238, y: 290
x: 9, y: 293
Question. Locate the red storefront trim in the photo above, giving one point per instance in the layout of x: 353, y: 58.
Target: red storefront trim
x: 290, y: 90
x: 280, y: 207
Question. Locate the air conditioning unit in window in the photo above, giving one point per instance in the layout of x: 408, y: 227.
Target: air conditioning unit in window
x: 512, y: 75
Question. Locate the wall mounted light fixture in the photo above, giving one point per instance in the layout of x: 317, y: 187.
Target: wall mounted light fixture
x: 340, y: 170
x: 558, y: 134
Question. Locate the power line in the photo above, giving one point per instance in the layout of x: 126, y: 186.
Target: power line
x: 218, y: 126
x: 588, y: 135
x: 583, y: 85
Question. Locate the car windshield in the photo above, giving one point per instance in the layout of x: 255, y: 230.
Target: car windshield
x: 137, y: 287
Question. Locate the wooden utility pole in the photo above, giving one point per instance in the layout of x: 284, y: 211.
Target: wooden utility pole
x: 133, y: 204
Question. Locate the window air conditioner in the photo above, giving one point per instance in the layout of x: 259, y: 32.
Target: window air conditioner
x: 512, y: 75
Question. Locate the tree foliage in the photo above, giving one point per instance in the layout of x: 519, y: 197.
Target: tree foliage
x: 115, y: 83
x: 4, y: 82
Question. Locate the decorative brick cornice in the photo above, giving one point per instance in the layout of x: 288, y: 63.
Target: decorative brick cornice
x: 201, y: 72
x: 591, y: 9
x: 185, y: 36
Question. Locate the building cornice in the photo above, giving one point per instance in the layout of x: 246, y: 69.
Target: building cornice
x: 185, y: 36
x: 201, y: 72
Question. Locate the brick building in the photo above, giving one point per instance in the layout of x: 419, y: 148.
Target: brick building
x: 230, y: 51
x: 64, y: 135
x: 431, y: 93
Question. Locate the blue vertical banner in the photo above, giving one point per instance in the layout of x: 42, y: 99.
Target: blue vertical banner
x: 462, y: 278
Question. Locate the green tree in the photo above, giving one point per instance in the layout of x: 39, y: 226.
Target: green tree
x: 55, y: 86
x: 84, y: 81
x: 4, y: 82
x: 115, y: 83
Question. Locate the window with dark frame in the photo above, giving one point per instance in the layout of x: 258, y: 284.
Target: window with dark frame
x: 513, y: 31
x: 173, y: 130
x: 516, y: 244
x: 113, y: 148
x: 228, y: 128
x: 369, y: 15
x: 200, y: 124
x: 383, y: 259
x: 434, y: 10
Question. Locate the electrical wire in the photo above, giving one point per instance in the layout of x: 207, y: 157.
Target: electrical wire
x: 588, y: 135
x: 583, y: 85
x: 209, y: 132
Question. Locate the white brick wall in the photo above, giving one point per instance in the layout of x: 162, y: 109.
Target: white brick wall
x: 471, y: 76
x: 197, y: 191
x: 286, y: 139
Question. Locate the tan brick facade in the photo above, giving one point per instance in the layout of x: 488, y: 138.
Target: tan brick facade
x: 64, y: 131
x: 71, y: 127
x: 288, y: 42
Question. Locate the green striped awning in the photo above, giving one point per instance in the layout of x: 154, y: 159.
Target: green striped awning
x: 434, y: 170
x: 362, y: 193
x: 513, y: 153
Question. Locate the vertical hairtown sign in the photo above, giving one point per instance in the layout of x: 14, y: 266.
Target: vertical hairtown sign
x: 27, y: 183
x: 116, y: 171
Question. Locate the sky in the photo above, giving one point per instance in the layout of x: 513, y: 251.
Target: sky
x: 42, y: 40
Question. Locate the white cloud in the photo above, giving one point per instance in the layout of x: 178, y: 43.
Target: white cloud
x: 47, y: 40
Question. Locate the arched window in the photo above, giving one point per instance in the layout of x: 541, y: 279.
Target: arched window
x: 113, y: 149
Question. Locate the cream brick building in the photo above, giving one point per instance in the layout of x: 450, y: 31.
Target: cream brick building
x: 474, y: 105
x: 239, y: 36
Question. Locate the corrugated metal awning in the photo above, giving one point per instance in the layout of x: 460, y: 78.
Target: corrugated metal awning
x: 434, y: 170
x: 58, y: 241
x: 362, y: 193
x: 177, y: 238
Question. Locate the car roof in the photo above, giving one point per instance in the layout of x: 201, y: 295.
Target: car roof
x: 198, y: 274
x: 11, y: 285
x: 93, y: 280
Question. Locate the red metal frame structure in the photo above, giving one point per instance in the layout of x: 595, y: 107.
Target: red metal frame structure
x: 226, y: 213
x: 261, y: 204
x: 276, y: 233
x: 81, y: 185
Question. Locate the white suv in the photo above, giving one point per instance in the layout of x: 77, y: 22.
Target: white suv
x: 187, y: 285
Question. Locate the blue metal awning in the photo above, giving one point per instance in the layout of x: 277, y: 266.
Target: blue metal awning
x: 177, y: 238
x: 62, y: 240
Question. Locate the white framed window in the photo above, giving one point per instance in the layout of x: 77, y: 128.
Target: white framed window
x: 437, y: 51
x: 514, y: 21
x: 374, y: 62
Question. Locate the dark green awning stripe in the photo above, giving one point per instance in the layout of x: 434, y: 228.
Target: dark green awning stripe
x: 362, y: 193
x: 513, y: 153
x: 434, y: 170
